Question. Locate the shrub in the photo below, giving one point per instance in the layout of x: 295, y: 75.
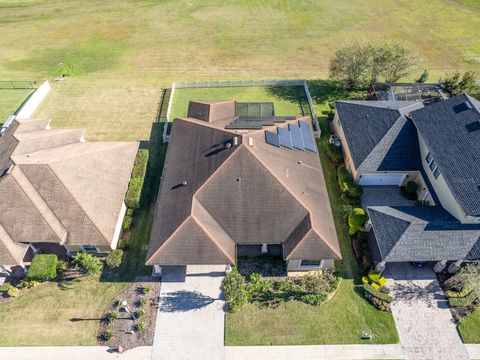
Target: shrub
x: 376, y: 279
x: 142, y: 302
x: 140, y: 327
x: 107, y: 335
x: 380, y: 300
x: 334, y: 154
x: 139, y: 313
x: 411, y: 190
x: 354, y: 191
x: 43, y: 267
x: 350, y: 201
x: 127, y: 223
x: 114, y: 258
x: 235, y: 291
x: 356, y: 221
x: 458, y: 294
x: 463, y: 301
x: 27, y: 284
x: 130, y: 212
x: 145, y: 289
x: 11, y: 291
x: 424, y: 77
x: 111, y: 317
x: 90, y: 264
x: 117, y: 303
x: 344, y: 178
x: 61, y: 266
x: 134, y: 191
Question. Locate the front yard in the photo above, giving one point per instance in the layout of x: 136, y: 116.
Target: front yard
x: 344, y: 318
x: 70, y: 312
x: 470, y: 328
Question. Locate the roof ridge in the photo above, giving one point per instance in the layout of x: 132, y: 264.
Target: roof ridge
x: 300, y: 202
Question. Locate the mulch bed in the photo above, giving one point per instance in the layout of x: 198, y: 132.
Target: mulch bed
x: 267, y: 266
x: 124, y: 325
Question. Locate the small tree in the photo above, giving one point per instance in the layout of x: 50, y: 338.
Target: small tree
x: 89, y: 263
x: 356, y: 221
x: 350, y: 65
x: 235, y: 291
x: 401, y: 60
x: 114, y: 258
x: 468, y: 277
x: 456, y: 84
x: 424, y: 77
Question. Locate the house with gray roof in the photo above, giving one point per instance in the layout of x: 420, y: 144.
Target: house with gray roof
x: 437, y: 146
x: 59, y: 193
x: 240, y: 180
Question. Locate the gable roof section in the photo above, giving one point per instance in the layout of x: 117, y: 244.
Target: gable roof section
x: 378, y: 134
x: 451, y: 131
x: 211, y: 111
x: 194, y: 153
x: 10, y: 252
x: 414, y: 233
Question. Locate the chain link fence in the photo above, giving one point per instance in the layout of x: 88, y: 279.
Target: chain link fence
x: 14, y: 84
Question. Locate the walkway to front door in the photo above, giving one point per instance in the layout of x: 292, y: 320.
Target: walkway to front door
x: 424, y: 322
x: 190, y: 322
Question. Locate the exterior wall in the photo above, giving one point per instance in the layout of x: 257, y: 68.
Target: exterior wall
x: 441, y: 188
x: 338, y: 130
x: 101, y: 249
x: 294, y: 265
x: 118, y: 227
x: 256, y: 250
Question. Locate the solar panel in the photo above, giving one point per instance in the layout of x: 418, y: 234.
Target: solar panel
x: 297, y: 138
x: 285, y: 138
x: 307, y: 135
x: 272, y: 138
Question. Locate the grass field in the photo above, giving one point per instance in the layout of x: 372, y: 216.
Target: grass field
x: 247, y: 94
x: 120, y: 53
x: 10, y: 100
x: 340, y: 321
x: 470, y: 328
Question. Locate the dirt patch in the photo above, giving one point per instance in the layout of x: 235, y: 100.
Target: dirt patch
x: 126, y: 330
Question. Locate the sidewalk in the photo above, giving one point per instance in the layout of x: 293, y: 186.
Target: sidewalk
x: 72, y: 353
x: 314, y: 352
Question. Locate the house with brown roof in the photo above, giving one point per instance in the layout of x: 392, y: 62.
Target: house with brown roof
x: 239, y: 180
x: 59, y: 192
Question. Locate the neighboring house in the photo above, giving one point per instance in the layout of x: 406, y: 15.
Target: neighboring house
x: 58, y: 192
x: 239, y: 180
x: 389, y: 143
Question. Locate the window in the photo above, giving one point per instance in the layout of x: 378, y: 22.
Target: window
x: 89, y: 248
x: 429, y: 158
x: 433, y: 165
x: 310, y: 263
x: 436, y: 173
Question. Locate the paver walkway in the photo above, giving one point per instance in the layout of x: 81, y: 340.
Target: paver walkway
x: 190, y: 322
x: 424, y: 322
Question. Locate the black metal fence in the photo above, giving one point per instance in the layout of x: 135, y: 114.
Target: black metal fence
x: 18, y: 84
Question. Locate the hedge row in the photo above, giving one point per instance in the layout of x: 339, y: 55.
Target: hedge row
x: 458, y: 294
x: 378, y: 294
x: 43, y: 267
x: 134, y: 192
x: 462, y: 301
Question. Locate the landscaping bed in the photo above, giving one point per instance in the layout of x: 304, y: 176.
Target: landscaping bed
x: 265, y: 265
x: 121, y: 329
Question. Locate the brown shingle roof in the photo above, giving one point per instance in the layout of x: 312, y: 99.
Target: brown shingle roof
x: 62, y: 189
x: 240, y: 195
x: 211, y: 111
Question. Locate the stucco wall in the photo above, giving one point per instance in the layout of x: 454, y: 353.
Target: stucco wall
x: 294, y: 265
x: 441, y: 188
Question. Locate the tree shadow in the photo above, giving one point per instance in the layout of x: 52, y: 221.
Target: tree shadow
x: 294, y: 94
x: 330, y: 90
x: 184, y: 300
x: 413, y: 292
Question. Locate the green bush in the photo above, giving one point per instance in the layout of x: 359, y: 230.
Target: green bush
x: 458, y: 294
x: 145, y: 289
x: 127, y: 223
x: 462, y: 301
x: 356, y: 221
x: 90, y: 264
x: 378, y: 294
x: 107, y: 335
x: 350, y: 201
x: 114, y: 258
x: 235, y: 291
x: 61, y: 266
x: 134, y: 191
x: 27, y: 284
x: 130, y: 212
x: 111, y: 317
x: 13, y: 292
x: 411, y: 190
x: 334, y: 154
x: 354, y: 191
x: 141, y: 302
x: 344, y: 178
x: 43, y: 267
x: 139, y: 313
x: 140, y: 327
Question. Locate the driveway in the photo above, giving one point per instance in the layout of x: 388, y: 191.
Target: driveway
x: 190, y: 320
x: 424, y: 322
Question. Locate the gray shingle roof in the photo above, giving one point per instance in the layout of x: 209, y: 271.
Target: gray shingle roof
x: 414, y: 233
x: 379, y: 136
x: 451, y: 131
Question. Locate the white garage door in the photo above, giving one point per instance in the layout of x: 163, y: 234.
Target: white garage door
x: 382, y: 179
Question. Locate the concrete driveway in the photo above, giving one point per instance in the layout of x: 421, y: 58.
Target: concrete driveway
x: 190, y: 320
x: 424, y: 322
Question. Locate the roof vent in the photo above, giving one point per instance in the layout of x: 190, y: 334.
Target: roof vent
x: 250, y: 141
x: 184, y: 183
x: 228, y: 145
x: 235, y: 141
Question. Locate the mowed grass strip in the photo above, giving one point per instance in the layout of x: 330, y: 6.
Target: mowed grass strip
x: 241, y: 94
x: 470, y: 328
x: 10, y: 100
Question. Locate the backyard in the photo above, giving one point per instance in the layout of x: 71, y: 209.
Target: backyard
x: 347, y: 315
x: 10, y: 100
x: 71, y: 310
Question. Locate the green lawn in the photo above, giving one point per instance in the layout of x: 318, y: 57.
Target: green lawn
x: 43, y: 315
x: 341, y: 320
x: 470, y: 328
x: 120, y: 53
x: 246, y: 94
x: 10, y: 100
